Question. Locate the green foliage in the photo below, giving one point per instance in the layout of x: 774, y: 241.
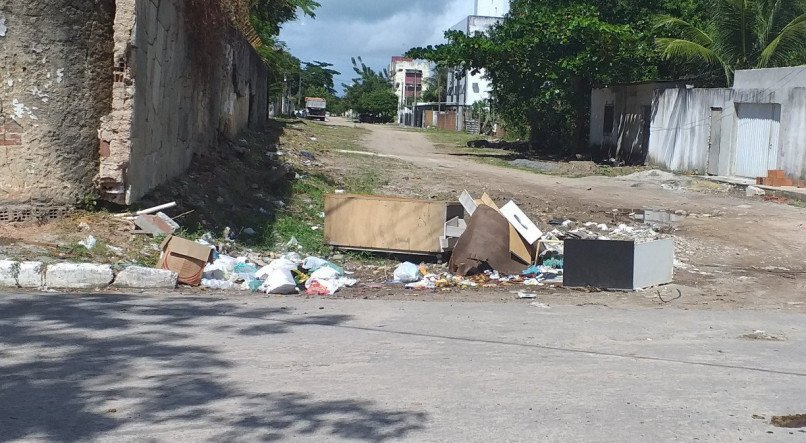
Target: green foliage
x: 318, y: 74
x: 370, y: 95
x: 543, y: 60
x: 742, y: 34
x: 268, y: 15
x: 437, y: 85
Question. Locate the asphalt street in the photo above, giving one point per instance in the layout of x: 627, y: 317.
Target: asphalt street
x: 255, y: 368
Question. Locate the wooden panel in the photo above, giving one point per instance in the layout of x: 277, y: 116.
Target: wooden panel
x: 387, y: 223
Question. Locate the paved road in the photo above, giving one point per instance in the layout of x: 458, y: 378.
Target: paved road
x: 251, y: 368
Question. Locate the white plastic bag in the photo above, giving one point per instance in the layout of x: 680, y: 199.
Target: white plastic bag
x: 279, y: 281
x: 281, y: 264
x: 407, y: 273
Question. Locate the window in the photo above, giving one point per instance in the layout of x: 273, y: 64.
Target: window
x: 609, y: 116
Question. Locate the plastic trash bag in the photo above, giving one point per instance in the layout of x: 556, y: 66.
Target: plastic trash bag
x: 279, y: 281
x: 407, y: 272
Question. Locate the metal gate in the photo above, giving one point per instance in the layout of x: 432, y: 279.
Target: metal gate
x: 756, y: 139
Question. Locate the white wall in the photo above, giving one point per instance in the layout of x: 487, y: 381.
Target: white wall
x: 681, y: 127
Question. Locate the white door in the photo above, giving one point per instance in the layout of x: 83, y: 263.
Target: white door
x: 756, y: 139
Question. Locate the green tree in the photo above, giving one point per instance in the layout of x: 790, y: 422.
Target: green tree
x: 542, y: 61
x: 437, y: 85
x: 742, y: 34
x: 268, y: 15
x: 318, y: 74
x: 371, y: 94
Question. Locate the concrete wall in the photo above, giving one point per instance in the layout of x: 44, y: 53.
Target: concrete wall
x: 55, y: 84
x: 178, y: 90
x: 632, y: 105
x: 772, y: 78
x: 682, y: 126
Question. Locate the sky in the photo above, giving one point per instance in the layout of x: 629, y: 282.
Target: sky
x: 373, y: 29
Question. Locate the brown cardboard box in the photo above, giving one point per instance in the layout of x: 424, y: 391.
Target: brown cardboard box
x: 776, y: 173
x: 186, y: 258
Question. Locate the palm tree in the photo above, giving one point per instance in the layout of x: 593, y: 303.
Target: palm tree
x: 743, y: 34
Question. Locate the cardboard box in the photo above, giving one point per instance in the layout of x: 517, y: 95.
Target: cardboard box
x: 614, y: 264
x: 186, y: 258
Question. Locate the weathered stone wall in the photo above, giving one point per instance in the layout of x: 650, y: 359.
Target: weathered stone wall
x: 181, y: 86
x: 55, y: 84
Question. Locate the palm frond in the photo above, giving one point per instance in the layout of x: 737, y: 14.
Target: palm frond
x: 676, y: 48
x: 684, y: 29
x: 788, y: 47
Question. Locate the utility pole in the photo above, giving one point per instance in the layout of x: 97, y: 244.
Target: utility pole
x: 299, y: 90
x: 414, y: 103
x: 284, y: 105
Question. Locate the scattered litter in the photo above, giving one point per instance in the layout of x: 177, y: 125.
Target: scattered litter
x: 159, y: 224
x: 522, y: 294
x: 88, y: 243
x: 156, y: 209
x: 754, y: 191
x: 249, y: 231
x: 537, y: 304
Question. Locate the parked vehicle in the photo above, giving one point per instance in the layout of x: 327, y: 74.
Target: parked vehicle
x: 315, y: 108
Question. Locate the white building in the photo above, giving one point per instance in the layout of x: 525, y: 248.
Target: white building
x: 464, y: 88
x: 408, y: 78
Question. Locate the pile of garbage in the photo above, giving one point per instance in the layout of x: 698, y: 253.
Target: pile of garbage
x: 412, y: 276
x: 289, y: 274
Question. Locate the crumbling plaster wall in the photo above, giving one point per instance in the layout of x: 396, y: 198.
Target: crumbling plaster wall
x: 181, y: 86
x: 54, y: 87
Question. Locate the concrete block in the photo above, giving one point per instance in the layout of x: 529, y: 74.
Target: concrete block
x: 146, y: 278
x: 78, y: 276
x: 753, y: 191
x: 32, y: 274
x: 8, y: 273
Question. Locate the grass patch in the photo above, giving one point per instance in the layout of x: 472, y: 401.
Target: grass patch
x: 451, y: 139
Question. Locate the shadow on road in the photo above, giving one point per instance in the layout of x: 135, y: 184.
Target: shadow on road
x: 65, y: 359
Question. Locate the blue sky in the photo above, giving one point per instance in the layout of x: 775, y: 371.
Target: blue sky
x: 373, y: 29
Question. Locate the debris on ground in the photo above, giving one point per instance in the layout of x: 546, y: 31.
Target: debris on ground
x: 778, y: 178
x: 288, y: 274
x: 88, y: 243
x: 789, y: 421
x: 762, y: 335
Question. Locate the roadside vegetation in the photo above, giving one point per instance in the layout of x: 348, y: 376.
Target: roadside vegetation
x: 544, y: 58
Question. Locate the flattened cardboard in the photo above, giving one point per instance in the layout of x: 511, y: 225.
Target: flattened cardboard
x: 519, y: 247
x: 521, y: 222
x: 489, y: 202
x: 186, y: 258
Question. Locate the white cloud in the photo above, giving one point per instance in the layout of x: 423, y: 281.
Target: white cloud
x: 342, y: 30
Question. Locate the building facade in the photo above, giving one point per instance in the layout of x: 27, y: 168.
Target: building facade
x: 408, y: 78
x: 464, y: 87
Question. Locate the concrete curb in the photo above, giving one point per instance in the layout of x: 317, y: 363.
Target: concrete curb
x: 37, y: 275
x: 797, y: 194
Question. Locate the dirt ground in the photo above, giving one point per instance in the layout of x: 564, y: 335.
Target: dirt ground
x: 731, y: 251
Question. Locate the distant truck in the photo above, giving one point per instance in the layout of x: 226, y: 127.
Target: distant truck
x: 315, y: 108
